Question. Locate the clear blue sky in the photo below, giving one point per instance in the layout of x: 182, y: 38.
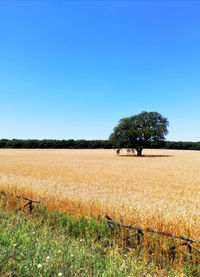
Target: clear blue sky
x: 72, y: 69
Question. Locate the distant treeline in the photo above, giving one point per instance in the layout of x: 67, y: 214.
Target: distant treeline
x: 184, y: 145
x: 88, y: 144
x: 52, y: 143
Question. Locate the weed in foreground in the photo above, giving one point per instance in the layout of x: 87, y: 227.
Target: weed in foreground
x: 53, y: 244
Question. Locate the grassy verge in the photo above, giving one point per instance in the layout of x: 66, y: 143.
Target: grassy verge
x: 53, y: 244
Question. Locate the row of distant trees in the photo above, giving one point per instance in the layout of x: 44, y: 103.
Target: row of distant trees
x: 55, y: 144
x: 89, y: 144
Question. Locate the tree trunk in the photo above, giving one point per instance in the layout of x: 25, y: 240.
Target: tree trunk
x: 139, y: 151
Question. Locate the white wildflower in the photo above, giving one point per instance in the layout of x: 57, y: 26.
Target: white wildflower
x: 60, y: 274
x: 39, y: 265
x: 59, y: 251
x: 14, y: 245
x: 48, y: 258
x: 72, y: 255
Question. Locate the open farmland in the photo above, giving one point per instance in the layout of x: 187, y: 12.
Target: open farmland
x: 161, y: 190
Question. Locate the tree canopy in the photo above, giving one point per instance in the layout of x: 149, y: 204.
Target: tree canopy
x: 139, y: 131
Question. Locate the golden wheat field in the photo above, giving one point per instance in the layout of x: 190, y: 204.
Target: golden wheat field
x: 161, y: 189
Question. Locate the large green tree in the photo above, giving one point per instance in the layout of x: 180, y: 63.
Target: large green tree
x: 139, y: 130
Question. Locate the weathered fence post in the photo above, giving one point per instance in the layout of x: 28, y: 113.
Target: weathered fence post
x: 30, y: 202
x: 140, y: 231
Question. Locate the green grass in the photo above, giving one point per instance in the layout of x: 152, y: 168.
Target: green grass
x: 53, y: 244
